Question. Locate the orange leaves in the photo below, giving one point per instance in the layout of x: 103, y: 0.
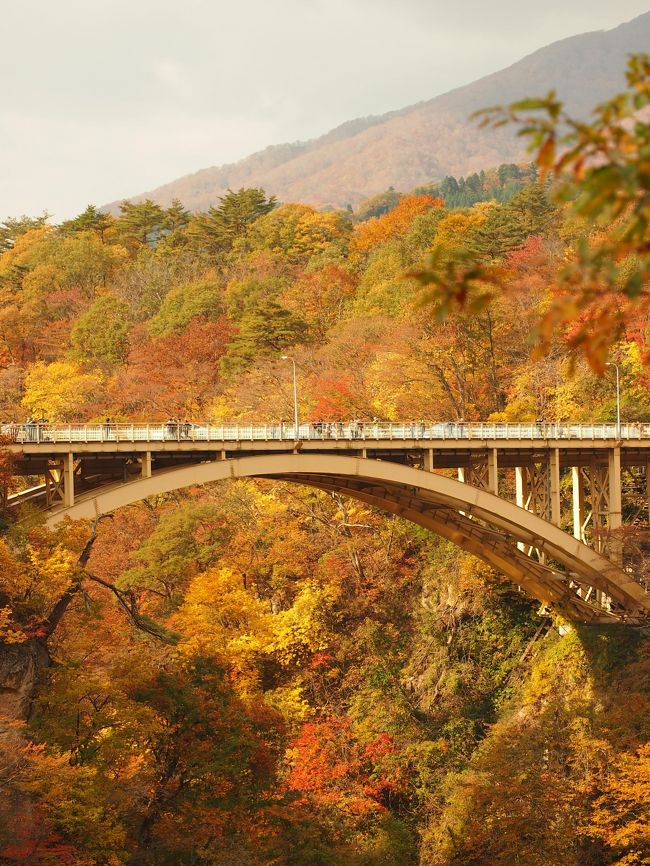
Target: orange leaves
x: 333, y: 770
x: 171, y: 376
x: 396, y: 223
x: 621, y: 816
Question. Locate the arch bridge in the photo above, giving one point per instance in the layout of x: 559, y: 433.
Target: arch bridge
x: 547, y: 505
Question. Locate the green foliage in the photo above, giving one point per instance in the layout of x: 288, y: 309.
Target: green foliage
x: 91, y: 220
x: 383, y: 288
x: 184, y: 303
x: 101, y: 334
x: 217, y: 231
x: 140, y: 223
x: 494, y: 185
x: 183, y: 541
x: 13, y: 227
x: 378, y: 205
x: 265, y: 328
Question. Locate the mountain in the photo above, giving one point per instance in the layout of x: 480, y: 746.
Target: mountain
x: 422, y: 142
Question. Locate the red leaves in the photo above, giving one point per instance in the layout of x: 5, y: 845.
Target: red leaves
x: 35, y: 843
x: 332, y: 769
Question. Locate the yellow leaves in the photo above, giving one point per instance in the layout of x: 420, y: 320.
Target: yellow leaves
x: 221, y: 617
x: 297, y: 232
x: 53, y: 569
x: 454, y: 228
x: 58, y: 391
x: 8, y: 631
x: 290, y: 702
x: 13, y: 579
x: 33, y: 579
x: 621, y: 817
x: 301, y: 630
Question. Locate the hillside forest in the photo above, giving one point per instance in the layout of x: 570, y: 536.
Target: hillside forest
x: 260, y: 674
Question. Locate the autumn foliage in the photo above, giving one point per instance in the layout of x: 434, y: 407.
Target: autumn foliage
x: 256, y: 673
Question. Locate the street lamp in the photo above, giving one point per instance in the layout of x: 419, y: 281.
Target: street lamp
x: 295, y: 395
x: 618, y: 398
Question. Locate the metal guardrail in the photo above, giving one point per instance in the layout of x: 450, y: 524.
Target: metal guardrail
x: 37, y: 433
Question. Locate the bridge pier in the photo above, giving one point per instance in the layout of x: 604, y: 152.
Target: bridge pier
x: 482, y: 472
x: 68, y: 479
x: 145, y: 464
x: 554, y: 485
x: 493, y: 472
x: 578, y: 491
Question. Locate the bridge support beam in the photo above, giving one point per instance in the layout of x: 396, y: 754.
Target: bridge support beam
x: 493, y: 472
x: 145, y: 465
x: 578, y: 488
x: 521, y: 493
x: 554, y: 485
x: 68, y: 479
x: 482, y: 473
x: 615, y: 515
x: 615, y: 495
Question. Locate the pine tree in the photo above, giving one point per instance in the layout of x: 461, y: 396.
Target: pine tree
x: 91, y: 220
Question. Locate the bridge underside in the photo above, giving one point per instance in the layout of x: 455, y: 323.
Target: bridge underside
x: 557, y: 569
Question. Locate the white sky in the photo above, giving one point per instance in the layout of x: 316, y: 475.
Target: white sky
x: 102, y: 100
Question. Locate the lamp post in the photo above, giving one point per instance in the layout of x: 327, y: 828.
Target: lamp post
x: 295, y: 395
x: 618, y: 398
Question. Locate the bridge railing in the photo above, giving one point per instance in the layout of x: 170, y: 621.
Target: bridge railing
x: 355, y: 430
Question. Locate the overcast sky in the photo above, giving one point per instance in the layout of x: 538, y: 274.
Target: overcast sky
x: 104, y: 100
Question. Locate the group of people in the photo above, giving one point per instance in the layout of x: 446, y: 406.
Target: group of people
x: 32, y: 426
x: 353, y: 429
x: 177, y: 429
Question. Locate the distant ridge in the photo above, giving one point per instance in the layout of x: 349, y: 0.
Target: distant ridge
x: 421, y: 142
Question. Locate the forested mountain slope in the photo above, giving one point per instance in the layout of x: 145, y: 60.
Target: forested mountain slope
x: 422, y: 142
